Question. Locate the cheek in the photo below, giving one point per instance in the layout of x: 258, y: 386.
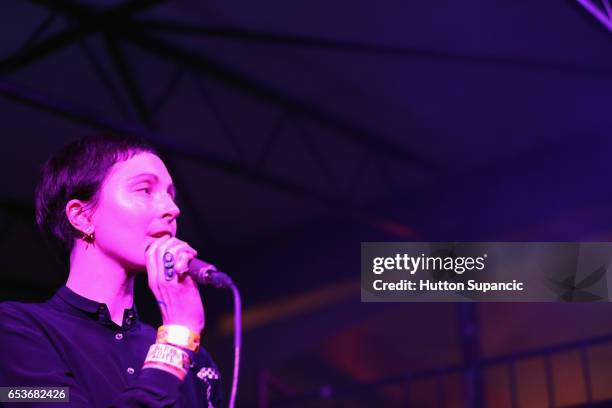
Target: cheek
x: 123, y: 224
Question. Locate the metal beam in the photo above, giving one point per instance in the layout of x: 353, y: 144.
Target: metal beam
x: 131, y: 31
x: 39, y: 30
x: 169, y: 90
x: 471, y: 350
x: 277, y: 39
x: 225, y: 74
x: 106, y: 79
x: 75, y: 10
x: 351, y: 390
x: 216, y: 112
x: 601, y: 10
x: 202, y: 157
x: 90, y: 22
x: 129, y: 80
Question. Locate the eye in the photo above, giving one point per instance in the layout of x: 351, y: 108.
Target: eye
x: 147, y: 190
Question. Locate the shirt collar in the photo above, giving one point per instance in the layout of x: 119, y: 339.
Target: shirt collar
x: 95, y: 309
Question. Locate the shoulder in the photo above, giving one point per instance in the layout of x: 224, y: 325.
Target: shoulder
x: 20, y: 322
x: 18, y: 311
x: 11, y: 307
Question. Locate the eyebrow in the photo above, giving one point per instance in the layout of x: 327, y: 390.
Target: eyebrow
x: 171, y: 187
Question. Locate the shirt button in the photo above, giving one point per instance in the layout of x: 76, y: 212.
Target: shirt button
x: 118, y: 336
x: 130, y: 370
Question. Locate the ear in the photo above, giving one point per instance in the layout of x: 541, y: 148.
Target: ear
x: 79, y: 216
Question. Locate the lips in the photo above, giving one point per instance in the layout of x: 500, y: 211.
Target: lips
x: 160, y: 234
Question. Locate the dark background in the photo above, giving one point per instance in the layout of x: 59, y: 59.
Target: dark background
x: 296, y: 130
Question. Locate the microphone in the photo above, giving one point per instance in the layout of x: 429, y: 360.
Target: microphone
x: 207, y: 274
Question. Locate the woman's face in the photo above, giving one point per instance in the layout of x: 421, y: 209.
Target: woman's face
x: 136, y: 206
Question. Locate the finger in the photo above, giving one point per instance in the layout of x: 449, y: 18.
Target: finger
x: 185, y: 258
x: 175, y: 247
x: 182, y: 262
x: 183, y: 253
x: 152, y: 264
x: 166, y: 247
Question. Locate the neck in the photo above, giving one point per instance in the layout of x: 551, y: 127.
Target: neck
x: 98, y: 277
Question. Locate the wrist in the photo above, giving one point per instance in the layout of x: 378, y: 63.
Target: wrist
x: 195, y: 327
x: 179, y: 336
x: 174, y: 350
x: 168, y: 358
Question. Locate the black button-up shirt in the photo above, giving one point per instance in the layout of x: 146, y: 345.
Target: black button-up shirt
x: 71, y: 341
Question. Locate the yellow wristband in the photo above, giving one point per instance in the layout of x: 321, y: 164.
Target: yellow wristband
x: 173, y: 358
x: 179, y: 336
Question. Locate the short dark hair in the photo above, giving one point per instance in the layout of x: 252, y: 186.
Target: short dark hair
x: 77, y: 172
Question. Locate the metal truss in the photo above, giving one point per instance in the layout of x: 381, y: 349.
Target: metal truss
x: 90, y: 23
x: 121, y: 24
x: 200, y: 156
x: 600, y: 9
x: 416, y: 53
x: 118, y: 26
x: 288, y: 397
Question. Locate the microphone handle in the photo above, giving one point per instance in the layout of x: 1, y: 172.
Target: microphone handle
x: 207, y: 274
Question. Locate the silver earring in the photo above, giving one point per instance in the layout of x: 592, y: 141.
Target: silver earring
x: 90, y: 236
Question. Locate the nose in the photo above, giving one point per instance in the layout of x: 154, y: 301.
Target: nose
x: 170, y: 209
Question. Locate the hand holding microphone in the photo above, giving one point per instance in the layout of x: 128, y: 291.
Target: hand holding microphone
x: 167, y: 261
x: 173, y: 271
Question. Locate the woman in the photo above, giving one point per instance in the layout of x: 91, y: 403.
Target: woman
x: 108, y: 203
